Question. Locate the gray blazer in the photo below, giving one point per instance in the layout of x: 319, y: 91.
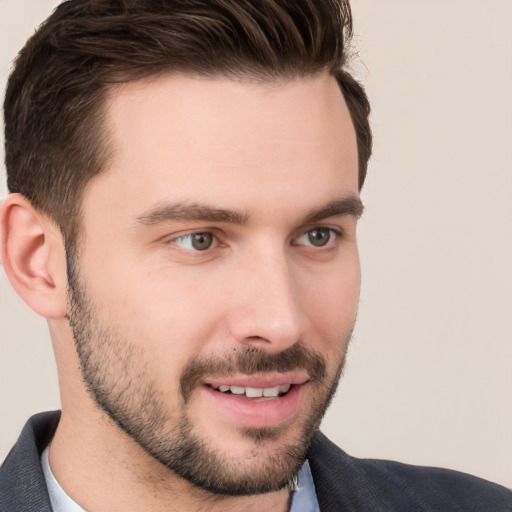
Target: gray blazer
x: 342, y: 483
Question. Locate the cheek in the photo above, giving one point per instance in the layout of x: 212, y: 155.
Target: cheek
x: 169, y: 314
x: 332, y: 307
x: 164, y: 319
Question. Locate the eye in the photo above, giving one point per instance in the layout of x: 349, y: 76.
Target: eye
x: 195, y: 241
x: 317, y: 237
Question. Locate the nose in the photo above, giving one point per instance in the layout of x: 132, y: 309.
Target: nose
x: 266, y: 310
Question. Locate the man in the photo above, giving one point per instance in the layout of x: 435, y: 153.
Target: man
x: 184, y: 182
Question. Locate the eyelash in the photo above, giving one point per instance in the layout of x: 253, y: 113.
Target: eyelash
x: 190, y: 236
x: 335, y: 235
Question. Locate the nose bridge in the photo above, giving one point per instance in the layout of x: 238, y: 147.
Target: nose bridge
x: 267, y: 308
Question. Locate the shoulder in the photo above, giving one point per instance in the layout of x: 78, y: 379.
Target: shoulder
x: 22, y: 485
x: 387, y: 485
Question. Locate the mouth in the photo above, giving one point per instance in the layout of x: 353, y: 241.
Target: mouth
x: 257, y: 400
x: 268, y: 393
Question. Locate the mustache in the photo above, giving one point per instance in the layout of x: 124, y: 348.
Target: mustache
x: 249, y: 361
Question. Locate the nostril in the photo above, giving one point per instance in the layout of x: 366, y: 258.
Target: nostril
x: 258, y: 338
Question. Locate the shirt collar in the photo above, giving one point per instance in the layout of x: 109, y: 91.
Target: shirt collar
x: 60, y: 501
x: 304, y: 498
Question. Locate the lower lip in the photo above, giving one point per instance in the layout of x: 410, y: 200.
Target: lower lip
x: 252, y: 413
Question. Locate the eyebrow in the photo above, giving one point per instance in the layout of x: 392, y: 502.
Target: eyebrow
x: 197, y: 212
x: 351, y: 206
x: 191, y: 212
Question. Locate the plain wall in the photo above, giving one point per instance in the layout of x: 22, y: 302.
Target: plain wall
x: 429, y: 374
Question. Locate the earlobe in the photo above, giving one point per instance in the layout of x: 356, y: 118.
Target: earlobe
x: 33, y: 256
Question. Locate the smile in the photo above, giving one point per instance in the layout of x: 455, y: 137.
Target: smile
x: 264, y: 400
x: 252, y: 392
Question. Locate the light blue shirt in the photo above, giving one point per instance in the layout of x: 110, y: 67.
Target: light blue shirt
x: 60, y: 501
x: 304, y: 498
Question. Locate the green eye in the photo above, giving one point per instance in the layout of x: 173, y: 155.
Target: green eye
x: 319, y: 237
x: 195, y: 241
x: 201, y: 241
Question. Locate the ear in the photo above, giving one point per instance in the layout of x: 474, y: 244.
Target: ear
x: 33, y: 256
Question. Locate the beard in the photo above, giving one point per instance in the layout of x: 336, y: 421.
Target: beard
x: 118, y: 376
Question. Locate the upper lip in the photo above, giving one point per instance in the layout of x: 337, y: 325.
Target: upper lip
x: 263, y: 380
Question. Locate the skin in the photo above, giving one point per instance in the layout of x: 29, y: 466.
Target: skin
x: 276, y: 154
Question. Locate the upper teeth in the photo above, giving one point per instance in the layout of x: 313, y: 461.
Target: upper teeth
x: 255, y: 392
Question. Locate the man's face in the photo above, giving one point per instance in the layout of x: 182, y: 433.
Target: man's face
x: 217, y: 278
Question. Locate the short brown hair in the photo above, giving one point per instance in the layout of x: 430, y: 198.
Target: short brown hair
x: 54, y: 132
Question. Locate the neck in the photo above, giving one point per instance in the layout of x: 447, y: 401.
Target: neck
x: 101, y: 468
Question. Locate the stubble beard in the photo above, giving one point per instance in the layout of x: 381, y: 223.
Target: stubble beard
x: 115, y: 371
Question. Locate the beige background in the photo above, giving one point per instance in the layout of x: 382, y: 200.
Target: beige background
x: 429, y: 376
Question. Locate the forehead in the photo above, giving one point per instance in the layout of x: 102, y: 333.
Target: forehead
x: 221, y: 141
